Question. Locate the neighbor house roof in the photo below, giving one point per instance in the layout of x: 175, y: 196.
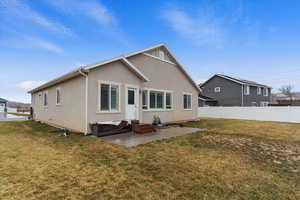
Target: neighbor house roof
x: 237, y: 80
x: 123, y: 59
x: 206, y: 98
x: 3, y: 100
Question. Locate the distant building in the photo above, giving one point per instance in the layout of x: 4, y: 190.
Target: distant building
x: 229, y: 91
x: 3, y: 105
x: 280, y: 99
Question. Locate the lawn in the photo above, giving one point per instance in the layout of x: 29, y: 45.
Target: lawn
x: 233, y: 159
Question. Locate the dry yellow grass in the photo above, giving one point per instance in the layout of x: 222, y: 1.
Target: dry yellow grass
x: 264, y: 129
x: 39, y: 164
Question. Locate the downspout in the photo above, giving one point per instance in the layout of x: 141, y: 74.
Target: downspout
x: 242, y: 95
x: 86, y: 98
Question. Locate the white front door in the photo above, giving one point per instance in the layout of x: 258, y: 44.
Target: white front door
x: 131, y: 103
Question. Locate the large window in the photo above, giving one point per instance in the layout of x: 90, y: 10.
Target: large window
x: 58, y: 96
x: 157, y: 100
x: 109, y: 97
x: 187, y: 101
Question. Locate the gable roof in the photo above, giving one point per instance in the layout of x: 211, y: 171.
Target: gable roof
x: 173, y: 57
x: 236, y: 80
x: 206, y: 98
x: 123, y: 59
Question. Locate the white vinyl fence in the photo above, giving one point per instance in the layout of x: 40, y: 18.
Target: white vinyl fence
x: 278, y: 114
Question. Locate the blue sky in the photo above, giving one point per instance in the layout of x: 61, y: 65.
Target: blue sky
x: 256, y: 40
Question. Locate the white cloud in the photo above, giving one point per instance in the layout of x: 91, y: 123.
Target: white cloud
x: 43, y: 44
x: 13, y: 11
x: 203, y: 29
x: 92, y: 9
x: 28, y: 85
x: 95, y: 11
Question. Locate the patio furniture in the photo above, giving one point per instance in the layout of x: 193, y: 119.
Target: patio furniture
x: 105, y: 129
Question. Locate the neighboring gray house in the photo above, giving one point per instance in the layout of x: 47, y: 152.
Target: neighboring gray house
x: 230, y: 91
x: 3, y: 105
x: 138, y: 86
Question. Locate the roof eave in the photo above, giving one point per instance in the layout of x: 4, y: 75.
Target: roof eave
x: 65, y: 77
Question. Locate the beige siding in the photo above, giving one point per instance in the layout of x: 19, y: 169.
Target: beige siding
x: 71, y: 113
x: 115, y: 72
x: 166, y: 76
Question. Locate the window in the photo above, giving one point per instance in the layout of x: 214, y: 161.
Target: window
x: 156, y: 100
x: 246, y: 89
x: 161, y: 54
x: 145, y: 99
x: 217, y: 89
x: 131, y: 98
x: 168, y: 100
x: 109, y: 97
x: 187, y: 101
x: 258, y: 91
x: 266, y: 92
x: 58, y: 96
x: 45, y: 98
x: 253, y: 104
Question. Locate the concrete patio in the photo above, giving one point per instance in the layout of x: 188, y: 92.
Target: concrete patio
x: 133, y: 139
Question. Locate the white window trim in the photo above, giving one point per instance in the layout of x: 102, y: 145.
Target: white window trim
x: 267, y: 92
x: 217, y: 89
x: 99, y: 97
x: 186, y: 93
x: 248, y: 90
x: 58, y: 89
x: 258, y: 90
x: 45, y: 92
x: 159, y: 109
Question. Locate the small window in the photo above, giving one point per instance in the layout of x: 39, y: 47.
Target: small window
x: 246, y: 89
x: 145, y: 99
x: 217, y: 89
x: 109, y: 97
x: 187, y: 101
x: 161, y: 54
x: 45, y: 98
x: 266, y: 92
x: 168, y: 100
x: 58, y: 96
x: 258, y: 91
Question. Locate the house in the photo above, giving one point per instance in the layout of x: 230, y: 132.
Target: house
x: 139, y: 85
x: 206, y: 101
x: 280, y: 99
x: 3, y: 105
x: 230, y: 91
